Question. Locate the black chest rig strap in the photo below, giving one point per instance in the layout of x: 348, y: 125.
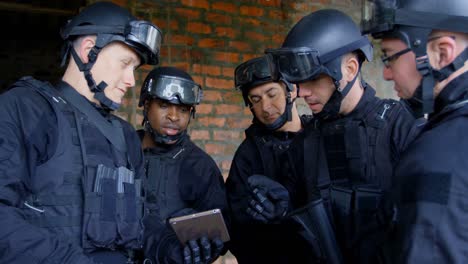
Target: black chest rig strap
x: 112, y: 132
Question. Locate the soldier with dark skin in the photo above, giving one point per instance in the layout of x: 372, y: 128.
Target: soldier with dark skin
x: 276, y: 122
x: 181, y: 178
x: 431, y: 179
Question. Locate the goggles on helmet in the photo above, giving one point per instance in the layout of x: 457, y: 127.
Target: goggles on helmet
x: 142, y: 35
x: 147, y: 35
x: 174, y: 88
x: 251, y: 71
x: 294, y: 64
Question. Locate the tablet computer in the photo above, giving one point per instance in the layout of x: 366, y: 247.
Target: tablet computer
x: 208, y: 223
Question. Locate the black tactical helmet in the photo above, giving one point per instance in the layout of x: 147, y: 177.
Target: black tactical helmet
x: 253, y: 73
x: 170, y: 84
x: 316, y: 45
x: 110, y: 22
x: 412, y: 21
x: 173, y: 85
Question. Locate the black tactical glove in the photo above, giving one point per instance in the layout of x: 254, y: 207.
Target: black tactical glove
x: 202, y: 250
x: 269, y: 201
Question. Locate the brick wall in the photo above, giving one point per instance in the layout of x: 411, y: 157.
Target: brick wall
x: 209, y: 39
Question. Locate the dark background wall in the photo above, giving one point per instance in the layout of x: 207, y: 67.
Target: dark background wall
x: 207, y: 38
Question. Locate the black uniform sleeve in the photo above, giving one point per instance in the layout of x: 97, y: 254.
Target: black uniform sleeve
x: 246, y: 162
x: 28, y: 133
x: 404, y: 130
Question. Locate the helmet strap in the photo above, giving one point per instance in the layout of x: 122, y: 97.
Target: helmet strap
x: 426, y: 96
x: 331, y: 109
x: 98, y: 90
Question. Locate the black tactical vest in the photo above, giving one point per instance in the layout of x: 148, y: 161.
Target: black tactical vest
x: 93, y: 199
x: 358, y: 153
x: 163, y: 171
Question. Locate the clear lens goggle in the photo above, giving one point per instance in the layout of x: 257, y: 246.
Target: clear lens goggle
x: 251, y: 71
x: 173, y: 88
x: 147, y: 35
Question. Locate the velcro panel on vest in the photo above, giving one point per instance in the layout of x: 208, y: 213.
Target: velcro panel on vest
x: 109, y: 197
x: 46, y: 221
x: 336, y: 156
x: 354, y: 142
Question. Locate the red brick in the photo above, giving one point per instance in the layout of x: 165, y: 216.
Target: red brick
x: 199, y: 79
x: 239, y: 45
x: 227, y: 109
x: 122, y: 3
x: 162, y: 24
x: 212, y: 96
x: 179, y: 40
x: 277, y: 15
x: 214, y: 149
x: 204, y: 108
x: 226, y: 56
x: 277, y: 40
x: 234, y: 97
x: 183, y: 65
x: 196, y: 55
x: 246, y: 57
x: 251, y: 11
x: 250, y: 21
x: 247, y: 111
x: 225, y: 175
x: 223, y: 135
x: 219, y: 83
x: 196, y: 3
x: 197, y: 27
x: 226, y: 32
x: 199, y: 134
x: 212, y: 121
x: 186, y: 13
x: 206, y: 69
x: 226, y: 7
x: 251, y: 35
x: 228, y: 71
x: 176, y: 52
x: 225, y: 164
x: 219, y: 19
x: 274, y: 3
x: 239, y: 122
x: 211, y: 43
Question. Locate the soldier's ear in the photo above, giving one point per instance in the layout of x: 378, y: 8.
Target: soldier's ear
x: 442, y: 51
x: 349, y: 67
x: 84, y: 47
